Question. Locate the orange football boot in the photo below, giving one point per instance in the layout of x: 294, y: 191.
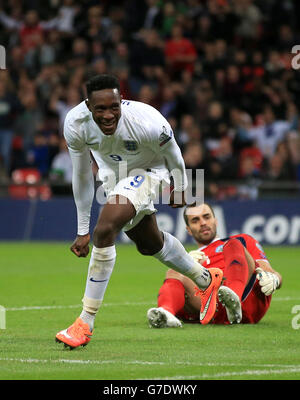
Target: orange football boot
x: 208, y: 296
x: 78, y: 334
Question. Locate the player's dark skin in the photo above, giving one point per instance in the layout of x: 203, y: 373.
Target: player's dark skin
x: 105, y: 106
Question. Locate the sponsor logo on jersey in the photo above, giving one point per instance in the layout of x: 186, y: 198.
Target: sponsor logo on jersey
x: 219, y: 249
x: 164, y: 136
x: 130, y: 145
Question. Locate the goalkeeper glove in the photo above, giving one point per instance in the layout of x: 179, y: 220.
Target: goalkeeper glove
x: 198, y: 256
x: 268, y: 281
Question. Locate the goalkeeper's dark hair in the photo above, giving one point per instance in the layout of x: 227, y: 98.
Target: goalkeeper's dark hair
x: 195, y: 205
x: 100, y: 82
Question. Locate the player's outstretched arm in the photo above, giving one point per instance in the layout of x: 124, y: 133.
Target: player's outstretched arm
x: 83, y: 191
x: 83, y: 187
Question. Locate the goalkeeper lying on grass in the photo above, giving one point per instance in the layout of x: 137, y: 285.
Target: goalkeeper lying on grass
x: 248, y: 278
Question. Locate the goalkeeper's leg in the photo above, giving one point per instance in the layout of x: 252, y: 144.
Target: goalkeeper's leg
x: 168, y: 249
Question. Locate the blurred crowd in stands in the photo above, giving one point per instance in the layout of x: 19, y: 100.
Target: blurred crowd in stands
x: 220, y: 71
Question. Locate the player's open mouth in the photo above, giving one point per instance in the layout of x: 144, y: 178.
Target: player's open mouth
x: 108, y: 124
x: 105, y: 126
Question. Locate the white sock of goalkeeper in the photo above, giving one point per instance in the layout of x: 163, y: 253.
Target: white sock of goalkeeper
x: 100, y: 269
x: 174, y: 255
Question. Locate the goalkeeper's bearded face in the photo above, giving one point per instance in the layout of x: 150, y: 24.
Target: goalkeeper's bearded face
x: 202, y: 224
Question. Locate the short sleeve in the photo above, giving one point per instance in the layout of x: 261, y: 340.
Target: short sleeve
x: 161, y: 136
x: 255, y: 248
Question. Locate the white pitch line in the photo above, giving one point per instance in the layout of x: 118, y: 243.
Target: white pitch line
x: 141, y: 362
x: 230, y: 374
x: 66, y: 361
x: 30, y: 308
x: 287, y: 298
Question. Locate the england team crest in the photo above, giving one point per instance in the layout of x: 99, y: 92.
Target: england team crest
x: 130, y: 145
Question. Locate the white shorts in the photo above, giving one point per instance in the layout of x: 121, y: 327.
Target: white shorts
x: 141, y: 190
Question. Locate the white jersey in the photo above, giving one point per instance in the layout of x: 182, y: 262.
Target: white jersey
x: 139, y: 141
x: 143, y: 140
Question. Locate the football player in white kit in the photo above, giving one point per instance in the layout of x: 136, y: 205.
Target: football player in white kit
x: 135, y: 149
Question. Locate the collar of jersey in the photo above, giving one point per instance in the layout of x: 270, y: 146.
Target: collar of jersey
x: 203, y: 247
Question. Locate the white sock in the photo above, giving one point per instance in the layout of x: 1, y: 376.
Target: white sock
x: 88, y: 319
x: 100, y: 269
x: 174, y: 255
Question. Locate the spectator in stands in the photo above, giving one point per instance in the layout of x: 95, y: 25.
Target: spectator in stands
x: 30, y: 119
x: 215, y: 126
x: 250, y: 18
x: 80, y: 53
x: 153, y: 15
x: 248, y: 169
x: 62, y: 101
x: 168, y: 18
x: 270, y: 133
x: 118, y: 57
x: 169, y: 103
x: 146, y: 60
x: 38, y: 56
x: 223, y: 163
x: 38, y: 154
x: 187, y: 124
x: 66, y: 16
x: 194, y: 156
x: 98, y: 28
x: 240, y: 122
x: 180, y: 53
x: 232, y: 85
x: 277, y: 169
x: 61, y: 166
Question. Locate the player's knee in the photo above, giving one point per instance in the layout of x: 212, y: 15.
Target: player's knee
x: 105, y: 231
x: 146, y: 250
x: 149, y: 249
x: 233, y: 243
x: 171, y: 274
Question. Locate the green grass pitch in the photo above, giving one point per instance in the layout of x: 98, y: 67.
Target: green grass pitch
x: 41, y: 286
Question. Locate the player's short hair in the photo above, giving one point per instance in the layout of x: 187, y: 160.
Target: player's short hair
x: 100, y: 82
x: 195, y: 205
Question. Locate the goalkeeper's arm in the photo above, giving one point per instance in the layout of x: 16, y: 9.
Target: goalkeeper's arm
x: 269, y: 279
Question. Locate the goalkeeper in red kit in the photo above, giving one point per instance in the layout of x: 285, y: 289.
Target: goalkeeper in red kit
x: 248, y: 278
